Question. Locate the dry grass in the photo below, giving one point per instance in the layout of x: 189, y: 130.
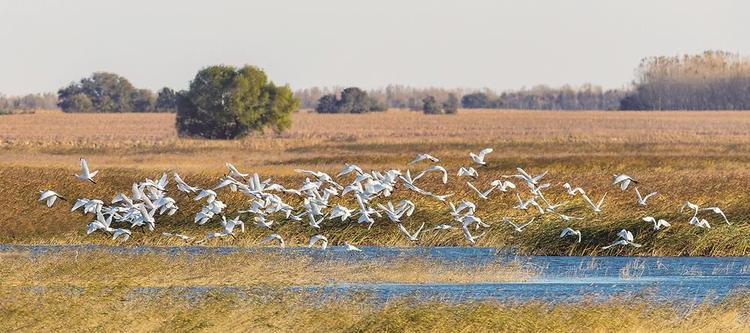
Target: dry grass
x: 118, y: 309
x: 99, y: 269
x: 700, y: 156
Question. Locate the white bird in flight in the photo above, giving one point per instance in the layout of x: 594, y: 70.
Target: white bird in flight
x: 422, y: 157
x: 467, y: 172
x: 432, y: 169
x: 518, y: 228
x: 642, y: 199
x: 658, y: 224
x: 626, y: 238
x: 125, y: 233
x: 717, y: 210
x: 571, y: 232
x: 572, y: 191
x: 233, y: 172
x: 349, y: 247
x: 690, y: 205
x: 623, y: 181
x: 411, y: 237
x: 275, y: 238
x: 319, y: 238
x: 702, y: 223
x: 50, y: 196
x: 479, y: 158
x: 180, y: 236
x: 595, y: 207
x: 482, y: 195
x: 85, y: 173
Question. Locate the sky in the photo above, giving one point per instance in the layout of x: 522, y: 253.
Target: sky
x: 495, y: 44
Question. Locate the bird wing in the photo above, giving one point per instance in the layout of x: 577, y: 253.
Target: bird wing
x: 84, y: 167
x: 484, y: 152
x: 474, y: 188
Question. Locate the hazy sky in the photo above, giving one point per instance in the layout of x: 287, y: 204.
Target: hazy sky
x: 470, y: 43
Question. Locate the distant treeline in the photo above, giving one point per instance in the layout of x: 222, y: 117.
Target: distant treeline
x: 713, y: 80
x: 587, y: 97
x: 27, y: 103
x: 109, y: 92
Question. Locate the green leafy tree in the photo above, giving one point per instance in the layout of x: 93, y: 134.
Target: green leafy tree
x: 327, y: 104
x: 451, y: 105
x: 143, y: 100
x: 224, y: 102
x: 353, y: 100
x: 431, y: 106
x: 166, y: 100
x: 106, y: 92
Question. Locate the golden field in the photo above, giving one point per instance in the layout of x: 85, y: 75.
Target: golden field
x: 698, y: 156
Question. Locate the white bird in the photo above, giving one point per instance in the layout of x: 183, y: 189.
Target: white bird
x: 702, y: 223
x: 533, y: 180
x: 215, y: 235
x: 411, y: 237
x: 85, y: 174
x: 467, y: 235
x: 571, y: 232
x: 262, y: 222
x: 182, y: 186
x: 690, y: 205
x: 349, y: 247
x: 503, y: 185
x: 482, y: 195
x: 276, y: 238
x: 125, y: 233
x: 623, y: 181
x: 442, y: 227
x: 658, y: 224
x: 479, y: 159
x: 524, y: 205
x: 229, y: 225
x: 642, y: 199
x: 518, y: 228
x: 467, y: 172
x: 595, y: 207
x: 626, y: 238
x: 432, y: 169
x: 316, y: 238
x: 233, y: 172
x: 572, y: 191
x: 422, y: 157
x: 567, y: 218
x: 50, y: 196
x: 349, y: 168
x: 180, y: 236
x: 717, y: 210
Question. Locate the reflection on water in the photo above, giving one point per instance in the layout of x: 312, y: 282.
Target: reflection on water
x: 560, y: 279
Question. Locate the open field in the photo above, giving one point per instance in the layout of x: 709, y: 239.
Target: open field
x: 703, y: 157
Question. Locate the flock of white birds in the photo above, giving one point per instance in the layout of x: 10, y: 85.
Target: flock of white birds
x: 150, y: 199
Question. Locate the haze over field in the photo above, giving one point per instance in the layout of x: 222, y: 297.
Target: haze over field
x: 479, y: 43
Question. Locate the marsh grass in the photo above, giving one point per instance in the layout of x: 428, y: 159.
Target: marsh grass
x: 121, y: 309
x: 703, y: 157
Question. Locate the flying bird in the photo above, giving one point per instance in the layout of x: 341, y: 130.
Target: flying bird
x: 642, y: 199
x: 422, y: 157
x: 50, y: 197
x: 85, y: 174
x: 658, y: 224
x: 479, y: 158
x: 571, y: 232
x: 623, y: 181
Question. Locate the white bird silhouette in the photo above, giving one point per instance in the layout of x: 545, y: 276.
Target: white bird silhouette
x: 524, y: 205
x: 518, y: 228
x: 482, y: 195
x: 572, y: 191
x: 432, y: 169
x: 717, y: 210
x: 233, y: 172
x: 702, y: 223
x: 623, y: 181
x: 626, y: 238
x: 215, y: 235
x: 442, y: 227
x: 658, y: 224
x: 467, y: 172
x: 50, y: 196
x: 467, y: 235
x: 229, y: 225
x: 571, y: 232
x: 316, y: 238
x: 349, y: 168
x: 503, y: 185
x: 182, y: 186
x: 125, y: 233
x: 349, y: 247
x: 642, y: 199
x: 85, y: 173
x: 262, y: 222
x: 595, y: 207
x: 532, y: 180
x: 422, y: 157
x: 479, y: 159
x: 180, y: 236
x: 411, y: 237
x: 690, y: 205
x: 275, y: 238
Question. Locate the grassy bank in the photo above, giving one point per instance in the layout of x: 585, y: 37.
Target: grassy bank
x: 120, y: 309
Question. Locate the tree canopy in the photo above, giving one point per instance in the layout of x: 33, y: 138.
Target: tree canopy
x: 105, y: 92
x: 225, y: 102
x: 353, y: 100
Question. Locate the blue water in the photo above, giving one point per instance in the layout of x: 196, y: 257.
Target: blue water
x: 560, y: 279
